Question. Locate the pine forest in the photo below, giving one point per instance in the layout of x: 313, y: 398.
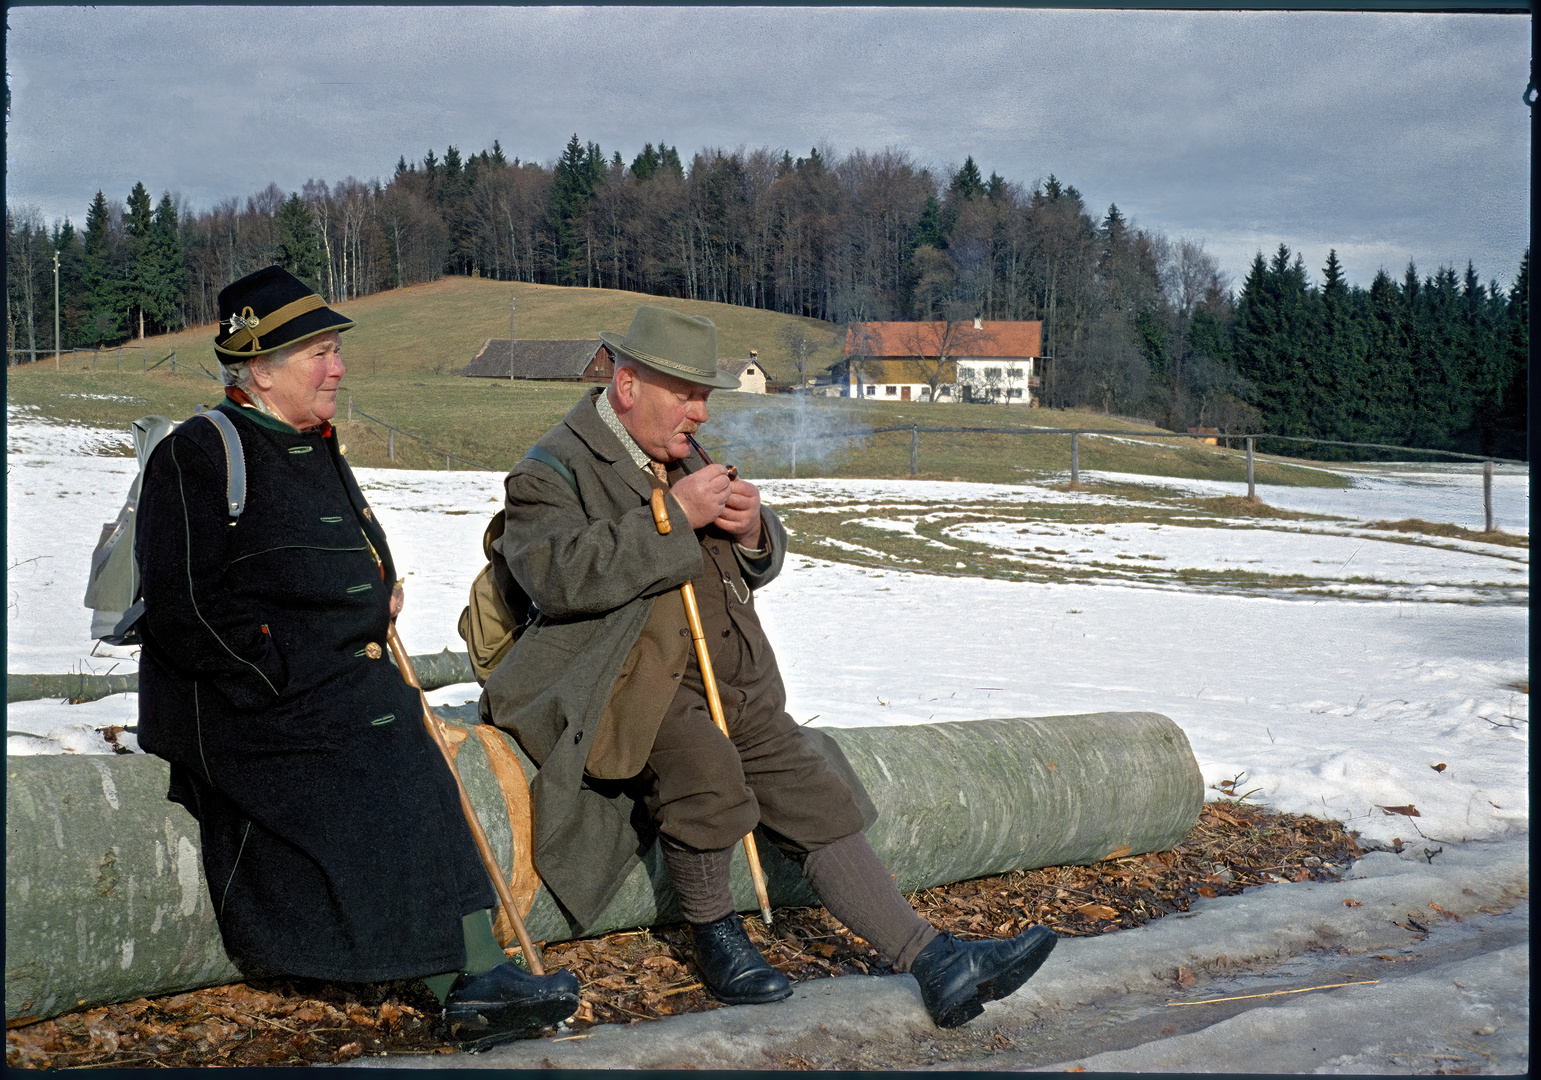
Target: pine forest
x: 1134, y: 322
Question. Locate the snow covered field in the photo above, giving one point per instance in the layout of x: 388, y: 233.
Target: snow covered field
x: 1317, y: 704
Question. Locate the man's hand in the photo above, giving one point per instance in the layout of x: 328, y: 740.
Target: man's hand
x: 703, y: 495
x: 398, y: 598
x: 740, y: 517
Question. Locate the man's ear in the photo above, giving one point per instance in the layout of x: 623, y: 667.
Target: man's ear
x: 625, y: 383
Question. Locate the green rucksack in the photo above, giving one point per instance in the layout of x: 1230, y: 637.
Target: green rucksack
x: 499, y: 609
x: 112, y: 590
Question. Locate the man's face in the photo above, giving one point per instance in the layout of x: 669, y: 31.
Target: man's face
x: 659, y: 411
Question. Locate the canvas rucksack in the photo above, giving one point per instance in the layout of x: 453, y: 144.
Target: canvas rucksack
x: 499, y: 608
x: 112, y: 590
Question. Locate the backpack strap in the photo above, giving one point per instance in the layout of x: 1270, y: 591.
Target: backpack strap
x: 547, y: 458
x: 235, y: 462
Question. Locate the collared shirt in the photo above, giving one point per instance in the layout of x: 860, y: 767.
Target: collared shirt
x: 613, y: 422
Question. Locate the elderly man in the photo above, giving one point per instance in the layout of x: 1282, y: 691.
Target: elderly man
x: 333, y: 840
x: 604, y: 693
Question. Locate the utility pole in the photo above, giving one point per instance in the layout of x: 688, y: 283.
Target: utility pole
x: 511, y: 306
x: 56, y: 309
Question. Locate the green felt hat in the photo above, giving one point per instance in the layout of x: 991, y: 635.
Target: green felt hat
x: 674, y: 343
x: 265, y: 311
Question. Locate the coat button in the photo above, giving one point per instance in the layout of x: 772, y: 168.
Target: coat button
x: 578, y: 738
x: 684, y: 631
x: 716, y: 550
x: 725, y: 633
x: 373, y: 650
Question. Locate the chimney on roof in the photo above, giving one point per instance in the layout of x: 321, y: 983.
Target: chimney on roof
x: 754, y: 354
x: 979, y: 323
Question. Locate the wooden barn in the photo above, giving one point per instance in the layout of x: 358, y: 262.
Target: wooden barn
x: 572, y: 360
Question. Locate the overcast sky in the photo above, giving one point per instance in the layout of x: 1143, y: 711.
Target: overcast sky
x: 1387, y: 136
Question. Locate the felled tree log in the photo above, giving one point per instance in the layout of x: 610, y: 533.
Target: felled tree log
x: 433, y: 671
x: 105, y: 898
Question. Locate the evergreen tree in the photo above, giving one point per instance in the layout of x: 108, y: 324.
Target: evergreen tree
x: 165, y: 276
x: 140, y: 284
x: 572, y: 187
x: 967, y: 182
x: 102, y: 274
x: 645, y: 163
x: 74, y: 298
x: 299, y: 247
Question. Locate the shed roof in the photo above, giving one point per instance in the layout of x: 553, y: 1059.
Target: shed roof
x: 1003, y: 339
x: 557, y: 359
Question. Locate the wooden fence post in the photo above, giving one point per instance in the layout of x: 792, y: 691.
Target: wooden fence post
x: 1075, y: 457
x: 1487, y: 495
x: 390, y: 443
x: 914, y: 449
x: 1251, y: 487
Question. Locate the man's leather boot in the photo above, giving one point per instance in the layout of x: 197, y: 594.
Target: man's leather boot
x: 732, y: 968
x: 505, y: 1003
x: 957, y: 977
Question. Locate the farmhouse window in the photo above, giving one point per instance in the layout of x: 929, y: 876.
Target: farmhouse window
x: 891, y: 391
x: 992, y: 373
x: 871, y: 390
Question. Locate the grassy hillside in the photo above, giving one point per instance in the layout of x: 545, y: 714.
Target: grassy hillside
x: 405, y: 355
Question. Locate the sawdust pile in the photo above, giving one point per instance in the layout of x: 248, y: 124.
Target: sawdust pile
x: 639, y: 976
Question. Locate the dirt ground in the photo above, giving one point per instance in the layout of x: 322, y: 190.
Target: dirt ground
x: 643, y: 975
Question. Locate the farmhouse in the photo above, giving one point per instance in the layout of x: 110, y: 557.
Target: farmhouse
x: 581, y: 360
x: 751, y: 375
x: 972, y: 359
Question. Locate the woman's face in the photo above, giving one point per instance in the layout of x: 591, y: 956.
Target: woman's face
x: 302, y: 390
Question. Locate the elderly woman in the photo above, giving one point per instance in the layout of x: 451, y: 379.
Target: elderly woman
x: 333, y: 839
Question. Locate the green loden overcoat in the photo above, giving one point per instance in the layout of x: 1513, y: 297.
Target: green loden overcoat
x: 594, y: 564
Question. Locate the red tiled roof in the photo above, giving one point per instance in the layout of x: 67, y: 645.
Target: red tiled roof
x: 1003, y: 339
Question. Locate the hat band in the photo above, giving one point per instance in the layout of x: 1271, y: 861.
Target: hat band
x: 246, y: 328
x: 659, y: 361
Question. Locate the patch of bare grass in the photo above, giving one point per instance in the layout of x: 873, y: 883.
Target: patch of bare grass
x: 1440, y: 528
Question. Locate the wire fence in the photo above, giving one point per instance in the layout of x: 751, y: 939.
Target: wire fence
x: 1075, y: 434
x: 391, y: 431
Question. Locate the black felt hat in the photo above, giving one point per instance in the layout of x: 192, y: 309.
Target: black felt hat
x: 268, y: 310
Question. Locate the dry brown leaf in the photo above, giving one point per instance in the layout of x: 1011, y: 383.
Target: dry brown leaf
x: 1406, y: 811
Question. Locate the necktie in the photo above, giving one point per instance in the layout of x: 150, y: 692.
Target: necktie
x: 659, y: 471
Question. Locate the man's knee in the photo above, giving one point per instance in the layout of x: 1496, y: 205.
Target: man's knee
x: 699, y: 796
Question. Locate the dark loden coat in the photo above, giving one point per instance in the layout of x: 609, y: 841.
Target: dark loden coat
x: 333, y: 841
x: 594, y: 565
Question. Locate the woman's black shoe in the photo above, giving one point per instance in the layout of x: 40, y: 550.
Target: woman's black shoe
x: 732, y: 968
x: 957, y: 977
x: 506, y: 1003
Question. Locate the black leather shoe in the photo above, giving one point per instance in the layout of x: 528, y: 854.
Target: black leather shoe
x: 506, y: 1003
x: 957, y: 977
x: 732, y: 968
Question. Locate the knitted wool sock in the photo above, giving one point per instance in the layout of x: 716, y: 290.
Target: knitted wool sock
x: 700, y: 878
x: 483, y: 953
x: 858, y: 890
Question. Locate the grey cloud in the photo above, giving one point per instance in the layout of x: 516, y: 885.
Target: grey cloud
x: 1389, y: 136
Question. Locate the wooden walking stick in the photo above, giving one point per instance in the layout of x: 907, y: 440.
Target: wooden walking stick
x: 435, y: 728
x: 709, y: 681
